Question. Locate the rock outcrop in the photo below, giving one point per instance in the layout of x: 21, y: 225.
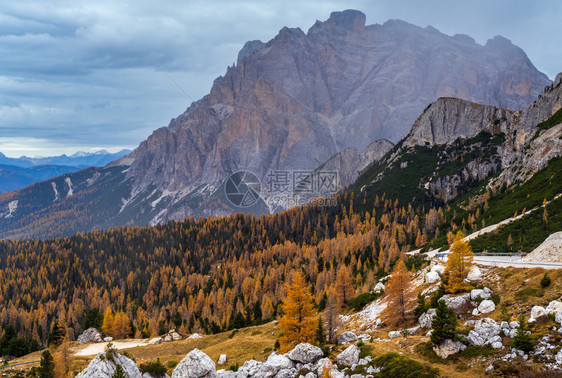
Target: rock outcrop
x: 448, y: 347
x: 91, y: 335
x: 347, y: 338
x: 550, y: 250
x: 486, y: 332
x: 305, y: 353
x: 195, y: 365
x: 427, y: 318
x: 104, y: 365
x: 349, y: 357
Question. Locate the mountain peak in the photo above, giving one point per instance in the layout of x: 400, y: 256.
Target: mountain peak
x: 348, y: 19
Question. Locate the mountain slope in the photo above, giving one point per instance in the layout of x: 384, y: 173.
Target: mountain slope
x: 290, y: 104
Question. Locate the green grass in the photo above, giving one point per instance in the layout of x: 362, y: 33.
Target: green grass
x: 554, y: 120
x: 526, y: 233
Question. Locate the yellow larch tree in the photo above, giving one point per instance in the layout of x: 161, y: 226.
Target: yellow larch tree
x: 298, y: 323
x: 459, y: 262
x: 107, y: 325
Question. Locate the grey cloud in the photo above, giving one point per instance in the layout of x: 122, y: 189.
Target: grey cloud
x: 88, y: 73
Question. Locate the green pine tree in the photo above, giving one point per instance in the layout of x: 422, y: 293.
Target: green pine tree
x: 444, y: 324
x: 522, y: 339
x: 47, y: 366
x: 320, y: 334
x: 119, y: 372
x: 57, y: 334
x: 422, y: 306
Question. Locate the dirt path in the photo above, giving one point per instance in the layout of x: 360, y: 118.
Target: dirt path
x: 96, y: 348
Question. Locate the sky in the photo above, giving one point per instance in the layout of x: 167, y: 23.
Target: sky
x: 91, y: 75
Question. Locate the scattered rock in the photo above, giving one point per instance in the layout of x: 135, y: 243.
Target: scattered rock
x: 489, y: 368
x: 195, y: 365
x: 347, y: 338
x: 439, y: 269
x: 222, y: 359
x: 536, y: 312
x: 480, y: 293
x: 305, y: 353
x: 486, y: 306
x: 108, y: 339
x: 484, y: 330
x: 448, y: 347
x: 172, y: 335
x: 91, y: 335
x: 458, y: 303
x: 379, y: 287
x: 432, y: 277
x: 394, y: 334
x: 413, y: 330
x: 276, y: 363
x: 105, y: 368
x: 155, y: 341
x: 350, y: 356
x: 475, y: 274
x: 427, y: 318
x: 195, y: 336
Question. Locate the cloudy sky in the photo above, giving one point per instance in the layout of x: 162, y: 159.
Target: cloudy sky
x: 90, y: 75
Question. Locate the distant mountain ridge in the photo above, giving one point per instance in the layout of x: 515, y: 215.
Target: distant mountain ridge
x: 17, y: 173
x: 78, y: 159
x: 296, y: 103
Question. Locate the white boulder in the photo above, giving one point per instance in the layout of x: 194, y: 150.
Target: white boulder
x: 432, y: 277
x: 483, y: 332
x: 379, y: 287
x: 108, y: 339
x: 536, y: 312
x: 194, y: 336
x: 448, y: 347
x: 222, y: 359
x: 195, y: 365
x: 350, y: 356
x: 394, y: 334
x: 480, y: 293
x: 155, y: 341
x: 457, y: 303
x: 104, y: 367
x: 439, y: 269
x: 347, y: 338
x: 91, y: 335
x: 475, y: 274
x: 427, y: 318
x: 305, y: 353
x: 486, y: 306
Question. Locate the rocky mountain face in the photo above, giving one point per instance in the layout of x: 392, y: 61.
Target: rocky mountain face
x: 294, y: 102
x: 300, y: 102
x: 462, y: 144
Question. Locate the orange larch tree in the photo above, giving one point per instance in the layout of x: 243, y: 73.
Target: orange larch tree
x: 298, y: 323
x: 398, y: 290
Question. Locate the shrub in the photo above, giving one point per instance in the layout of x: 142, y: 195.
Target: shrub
x: 172, y: 364
x: 362, y: 300
x: 545, y: 281
x: 522, y: 338
x: 154, y: 368
x: 395, y: 365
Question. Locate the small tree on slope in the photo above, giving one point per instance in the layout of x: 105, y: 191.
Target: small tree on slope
x: 459, y: 263
x: 444, y: 324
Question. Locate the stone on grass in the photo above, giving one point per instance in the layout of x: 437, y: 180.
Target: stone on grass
x: 347, y: 338
x: 350, y: 356
x: 195, y: 365
x: 448, y: 347
x: 305, y: 353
